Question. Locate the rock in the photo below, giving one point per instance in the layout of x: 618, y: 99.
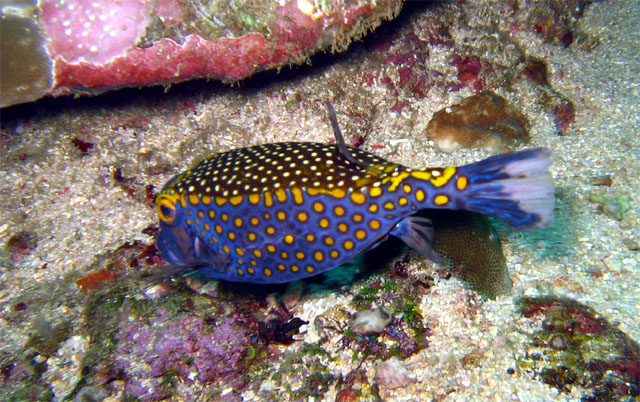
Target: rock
x: 393, y: 374
x: 485, y: 120
x: 370, y: 321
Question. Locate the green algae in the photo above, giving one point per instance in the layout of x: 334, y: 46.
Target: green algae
x: 613, y: 207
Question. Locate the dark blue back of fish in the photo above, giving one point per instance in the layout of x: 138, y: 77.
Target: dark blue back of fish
x: 280, y: 212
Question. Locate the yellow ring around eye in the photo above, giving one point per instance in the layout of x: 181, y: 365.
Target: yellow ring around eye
x: 166, y: 207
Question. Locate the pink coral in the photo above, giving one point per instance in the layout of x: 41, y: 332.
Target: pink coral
x: 94, y: 31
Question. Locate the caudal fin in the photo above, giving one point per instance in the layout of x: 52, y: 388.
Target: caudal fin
x: 516, y: 188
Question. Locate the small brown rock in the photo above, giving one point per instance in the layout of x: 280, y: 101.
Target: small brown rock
x: 485, y: 120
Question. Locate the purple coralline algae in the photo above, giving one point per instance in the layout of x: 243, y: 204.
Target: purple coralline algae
x: 189, y: 348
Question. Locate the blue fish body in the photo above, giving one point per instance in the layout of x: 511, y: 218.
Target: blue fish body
x: 279, y: 212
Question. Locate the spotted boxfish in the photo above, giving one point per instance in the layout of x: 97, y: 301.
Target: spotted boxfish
x: 279, y: 212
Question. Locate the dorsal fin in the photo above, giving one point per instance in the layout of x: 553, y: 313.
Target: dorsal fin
x: 342, y: 146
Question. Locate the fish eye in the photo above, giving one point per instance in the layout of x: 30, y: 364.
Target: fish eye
x: 166, y: 208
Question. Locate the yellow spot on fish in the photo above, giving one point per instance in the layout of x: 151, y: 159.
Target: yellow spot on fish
x: 218, y: 229
x: 348, y: 245
x: 295, y: 268
x: 267, y: 272
x: 395, y: 180
x: 421, y: 175
x: 281, y: 195
x: 441, y: 199
x: 236, y: 200
x: 319, y: 256
x: 329, y: 241
x: 443, y: 179
x: 389, y: 206
x: 309, y: 269
x: 212, y: 214
x: 255, y: 221
x: 356, y: 218
x: 253, y: 262
x: 225, y: 248
x: 407, y: 188
x: 334, y: 254
x: 310, y: 238
x: 297, y: 195
x: 257, y: 253
x: 224, y: 217
x: 200, y: 214
x: 206, y: 227
x: 300, y: 255
x: 461, y: 183
x: 271, y: 230
x: 343, y: 227
x: 375, y: 192
x: 268, y: 201
x: 318, y: 206
x: 284, y: 255
x: 361, y: 234
x: 288, y: 239
x: 338, y: 211
x: 281, y: 215
x: 193, y: 199
x: 238, y: 222
x: 281, y: 267
x: 402, y: 201
x: 254, y: 198
x: 302, y: 216
x: 324, y: 223
x: 251, y: 236
x: 206, y: 200
x: 240, y: 272
x: 336, y: 192
x: 220, y: 201
x: 374, y: 224
x: 358, y: 198
x: 419, y: 195
x: 271, y: 248
x: 373, y: 208
x: 232, y: 236
x: 239, y: 251
x: 250, y: 270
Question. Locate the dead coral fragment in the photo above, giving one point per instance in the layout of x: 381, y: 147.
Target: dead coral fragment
x: 485, y: 120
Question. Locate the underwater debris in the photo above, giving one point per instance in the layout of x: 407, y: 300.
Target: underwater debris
x: 370, y: 321
x: 576, y: 347
x: 613, y: 207
x: 83, y: 146
x: 95, y: 279
x: 485, y: 120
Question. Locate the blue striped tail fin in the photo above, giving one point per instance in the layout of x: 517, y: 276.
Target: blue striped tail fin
x: 516, y: 188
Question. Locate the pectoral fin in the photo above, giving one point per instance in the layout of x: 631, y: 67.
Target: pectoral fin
x: 417, y: 233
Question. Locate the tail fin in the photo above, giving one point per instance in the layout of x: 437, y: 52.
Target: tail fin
x: 516, y: 188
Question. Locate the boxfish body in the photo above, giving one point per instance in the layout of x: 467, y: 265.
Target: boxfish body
x: 279, y: 212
